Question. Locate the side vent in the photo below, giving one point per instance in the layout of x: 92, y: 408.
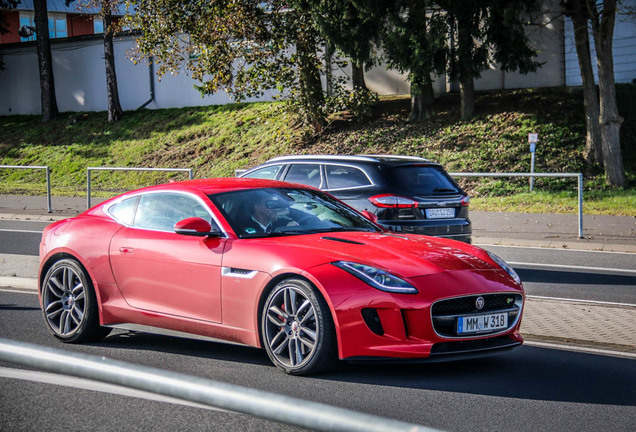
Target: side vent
x: 372, y: 319
x: 238, y: 272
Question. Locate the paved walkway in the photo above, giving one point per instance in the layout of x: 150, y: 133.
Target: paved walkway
x: 601, y: 325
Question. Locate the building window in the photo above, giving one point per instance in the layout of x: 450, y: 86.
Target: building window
x: 26, y: 19
x: 57, y: 26
x: 98, y: 24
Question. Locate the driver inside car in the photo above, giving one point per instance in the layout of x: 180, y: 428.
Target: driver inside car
x: 270, y: 212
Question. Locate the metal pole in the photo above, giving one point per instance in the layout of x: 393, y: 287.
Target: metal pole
x: 580, y: 205
x: 283, y: 409
x: 88, y: 188
x: 48, y: 189
x: 532, y: 172
x: 191, y: 174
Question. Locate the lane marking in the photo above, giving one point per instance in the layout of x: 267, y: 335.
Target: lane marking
x: 20, y: 231
x: 572, y: 267
x: 552, y: 248
x: 85, y: 384
x: 19, y: 291
x: 577, y: 348
x: 596, y: 302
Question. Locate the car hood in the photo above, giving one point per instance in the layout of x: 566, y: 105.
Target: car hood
x: 405, y: 255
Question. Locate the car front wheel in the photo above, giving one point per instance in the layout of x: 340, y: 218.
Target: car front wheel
x: 298, y: 332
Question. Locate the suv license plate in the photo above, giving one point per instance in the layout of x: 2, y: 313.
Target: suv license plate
x: 482, y: 323
x: 440, y: 213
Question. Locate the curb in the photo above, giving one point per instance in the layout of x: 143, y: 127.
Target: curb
x: 28, y: 217
x: 554, y: 244
x: 22, y: 283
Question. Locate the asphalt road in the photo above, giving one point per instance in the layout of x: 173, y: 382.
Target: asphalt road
x: 527, y: 389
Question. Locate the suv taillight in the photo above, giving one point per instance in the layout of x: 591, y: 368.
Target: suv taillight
x: 465, y: 201
x: 392, y: 201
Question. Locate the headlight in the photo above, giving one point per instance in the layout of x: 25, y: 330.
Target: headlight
x: 377, y: 278
x: 504, y: 265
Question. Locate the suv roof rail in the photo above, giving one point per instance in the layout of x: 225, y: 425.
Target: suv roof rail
x: 399, y: 157
x: 362, y: 158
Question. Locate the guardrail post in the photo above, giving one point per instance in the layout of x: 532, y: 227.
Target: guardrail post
x: 88, y: 188
x: 48, y: 189
x: 580, y: 186
x: 191, y: 173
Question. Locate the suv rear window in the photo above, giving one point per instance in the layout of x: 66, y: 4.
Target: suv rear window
x: 421, y: 180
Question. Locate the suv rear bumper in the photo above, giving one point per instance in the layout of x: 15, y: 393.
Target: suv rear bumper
x: 455, y: 229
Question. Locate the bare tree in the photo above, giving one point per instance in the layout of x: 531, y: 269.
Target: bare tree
x: 45, y: 62
x: 578, y: 13
x: 602, y: 17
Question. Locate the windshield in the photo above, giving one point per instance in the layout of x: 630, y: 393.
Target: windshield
x: 274, y: 212
x: 421, y: 180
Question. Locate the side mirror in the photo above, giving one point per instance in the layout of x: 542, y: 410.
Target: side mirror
x: 373, y: 218
x: 195, y: 226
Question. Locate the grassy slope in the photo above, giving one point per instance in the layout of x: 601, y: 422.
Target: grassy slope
x: 216, y: 140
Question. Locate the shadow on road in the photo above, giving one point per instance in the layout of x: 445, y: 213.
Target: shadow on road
x: 525, y: 373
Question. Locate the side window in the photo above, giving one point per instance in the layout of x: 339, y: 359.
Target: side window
x: 124, y: 211
x: 162, y: 211
x: 307, y: 174
x: 268, y: 172
x: 340, y: 177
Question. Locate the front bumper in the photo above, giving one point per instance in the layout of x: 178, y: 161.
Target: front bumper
x: 400, y: 326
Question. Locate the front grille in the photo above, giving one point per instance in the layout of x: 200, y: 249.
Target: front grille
x: 445, y: 313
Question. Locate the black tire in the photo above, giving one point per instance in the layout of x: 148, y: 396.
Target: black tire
x: 69, y: 304
x: 302, y: 342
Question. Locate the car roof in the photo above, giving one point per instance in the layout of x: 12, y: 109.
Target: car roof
x: 382, y: 159
x: 217, y: 185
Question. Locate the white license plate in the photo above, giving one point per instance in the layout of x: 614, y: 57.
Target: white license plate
x: 440, y: 213
x: 482, y: 323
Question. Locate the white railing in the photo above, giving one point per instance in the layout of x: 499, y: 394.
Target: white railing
x: 89, y: 169
x: 48, y: 180
x: 531, y: 175
x: 271, y: 406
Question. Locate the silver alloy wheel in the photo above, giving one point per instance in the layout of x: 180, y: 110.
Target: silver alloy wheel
x: 291, y: 329
x: 64, y: 300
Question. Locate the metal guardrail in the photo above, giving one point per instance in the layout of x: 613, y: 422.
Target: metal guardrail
x: 531, y: 175
x: 271, y: 406
x: 89, y: 169
x: 48, y: 180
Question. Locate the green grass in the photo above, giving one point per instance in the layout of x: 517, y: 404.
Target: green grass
x: 214, y: 141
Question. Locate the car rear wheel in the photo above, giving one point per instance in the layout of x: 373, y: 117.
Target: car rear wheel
x: 298, y: 332
x: 69, y: 303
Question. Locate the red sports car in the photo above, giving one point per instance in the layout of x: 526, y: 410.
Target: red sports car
x: 274, y: 265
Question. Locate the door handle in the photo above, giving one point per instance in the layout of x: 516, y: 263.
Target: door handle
x: 126, y: 250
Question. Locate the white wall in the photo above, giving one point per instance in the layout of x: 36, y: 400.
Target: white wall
x: 80, y: 80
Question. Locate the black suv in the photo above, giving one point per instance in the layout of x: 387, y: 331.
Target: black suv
x: 407, y: 194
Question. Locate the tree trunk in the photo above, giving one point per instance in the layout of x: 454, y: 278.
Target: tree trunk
x: 466, y: 82
x: 357, y: 76
x: 610, y: 120
x: 312, y: 96
x: 45, y: 62
x: 577, y: 10
x: 422, y: 99
x: 115, y: 112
